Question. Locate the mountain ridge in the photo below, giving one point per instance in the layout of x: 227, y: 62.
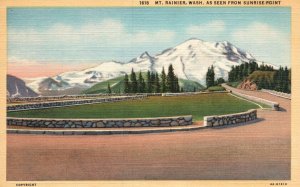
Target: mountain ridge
x: 190, y: 60
x: 16, y: 87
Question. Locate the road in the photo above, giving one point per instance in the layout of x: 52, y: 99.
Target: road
x: 259, y: 150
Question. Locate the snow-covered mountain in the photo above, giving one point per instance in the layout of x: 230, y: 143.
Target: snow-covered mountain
x: 190, y: 60
x: 17, y: 88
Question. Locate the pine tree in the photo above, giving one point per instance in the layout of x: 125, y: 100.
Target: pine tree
x: 152, y: 78
x: 237, y: 74
x: 126, y: 84
x: 220, y: 80
x: 281, y: 79
x: 262, y: 67
x: 249, y: 70
x: 210, y: 77
x: 108, y: 88
x: 176, y: 84
x: 289, y: 81
x: 157, y: 84
x: 231, y: 75
x: 149, y: 84
x: 256, y: 66
x: 141, y: 83
x: 170, y: 79
x: 278, y: 79
x: 134, y: 84
x: 263, y: 83
x: 241, y: 74
x: 245, y: 70
x: 285, y: 80
x: 163, y: 81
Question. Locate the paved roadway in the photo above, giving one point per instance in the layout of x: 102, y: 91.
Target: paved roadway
x: 259, y: 150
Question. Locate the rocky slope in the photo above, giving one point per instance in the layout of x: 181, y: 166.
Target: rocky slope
x: 17, y: 88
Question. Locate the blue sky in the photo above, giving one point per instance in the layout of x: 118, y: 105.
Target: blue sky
x: 88, y: 35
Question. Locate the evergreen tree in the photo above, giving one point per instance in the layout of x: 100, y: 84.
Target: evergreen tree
x: 251, y: 67
x: 170, y: 79
x: 262, y: 67
x: 108, y: 88
x: 249, y: 70
x: 176, y: 84
x: 245, y: 70
x: 141, y: 83
x: 149, y: 84
x: 281, y: 79
x: 230, y: 75
x: 126, y: 84
x: 157, y: 84
x: 256, y: 66
x: 134, y: 84
x: 263, y: 83
x: 289, y: 81
x: 210, y: 77
x: 163, y: 81
x: 181, y: 89
x: 152, y: 78
x: 220, y: 80
x: 285, y: 80
x: 241, y: 72
x: 276, y: 81
x: 237, y: 74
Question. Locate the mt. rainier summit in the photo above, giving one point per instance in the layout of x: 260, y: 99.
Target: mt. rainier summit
x: 190, y: 60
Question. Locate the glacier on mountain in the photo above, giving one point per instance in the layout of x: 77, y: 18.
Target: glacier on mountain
x: 190, y: 60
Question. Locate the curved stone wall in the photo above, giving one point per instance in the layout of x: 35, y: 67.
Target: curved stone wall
x: 191, y: 93
x: 52, y: 104
x: 274, y: 105
x: 101, y: 123
x: 73, y: 97
x: 230, y: 119
x: 279, y: 94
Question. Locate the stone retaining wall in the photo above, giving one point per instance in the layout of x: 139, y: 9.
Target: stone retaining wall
x: 101, y: 123
x: 274, y: 105
x: 72, y: 97
x: 279, y: 94
x: 191, y: 93
x: 230, y: 119
x: 70, y: 103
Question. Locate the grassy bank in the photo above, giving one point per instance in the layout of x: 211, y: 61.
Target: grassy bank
x: 196, y: 105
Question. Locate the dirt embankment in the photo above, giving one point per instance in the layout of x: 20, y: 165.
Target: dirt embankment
x: 247, y: 85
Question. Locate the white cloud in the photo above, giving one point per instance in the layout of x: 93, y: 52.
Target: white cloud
x: 161, y: 36
x: 211, y: 29
x: 264, y: 42
x: 108, y: 31
x: 259, y: 33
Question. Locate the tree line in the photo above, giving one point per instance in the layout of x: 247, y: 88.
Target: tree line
x: 281, y: 80
x: 240, y: 72
x: 154, y: 83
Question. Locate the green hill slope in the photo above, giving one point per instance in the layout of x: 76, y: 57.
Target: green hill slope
x: 116, y: 84
x: 258, y: 75
x: 188, y: 85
